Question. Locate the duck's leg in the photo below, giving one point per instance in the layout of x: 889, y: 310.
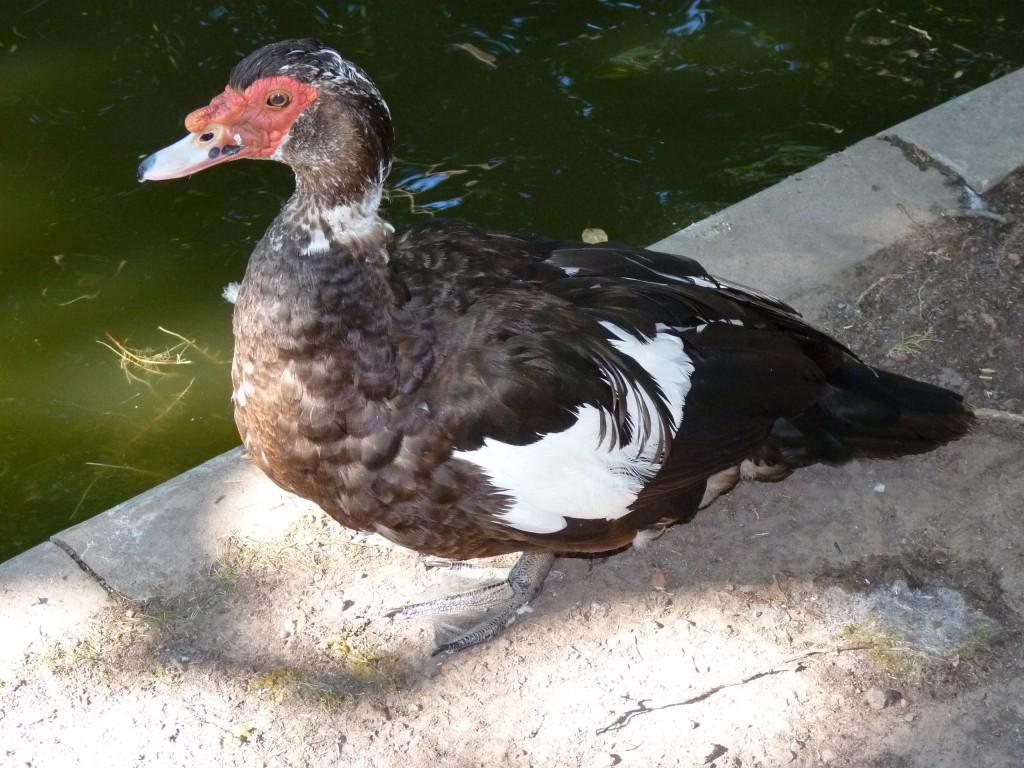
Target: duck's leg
x: 473, y: 567
x: 500, y: 602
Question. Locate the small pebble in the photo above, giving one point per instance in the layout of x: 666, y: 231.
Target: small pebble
x: 712, y: 752
x: 827, y: 756
x: 1014, y: 259
x: 658, y: 579
x: 878, y: 699
x: 875, y: 698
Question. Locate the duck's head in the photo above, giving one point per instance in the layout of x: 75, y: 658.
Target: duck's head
x: 298, y: 102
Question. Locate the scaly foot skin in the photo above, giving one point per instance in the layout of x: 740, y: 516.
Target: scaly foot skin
x: 473, y: 569
x: 502, y: 602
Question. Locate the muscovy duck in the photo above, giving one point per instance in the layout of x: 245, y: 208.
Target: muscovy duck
x: 468, y: 393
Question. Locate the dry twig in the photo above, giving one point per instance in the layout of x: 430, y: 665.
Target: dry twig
x: 877, y: 284
x: 997, y: 415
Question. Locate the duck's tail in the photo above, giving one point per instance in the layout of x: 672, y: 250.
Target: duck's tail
x: 867, y: 412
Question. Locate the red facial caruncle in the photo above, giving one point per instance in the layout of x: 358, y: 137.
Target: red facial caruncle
x: 235, y: 124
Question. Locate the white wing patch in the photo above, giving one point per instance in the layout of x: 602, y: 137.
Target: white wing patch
x: 571, y: 473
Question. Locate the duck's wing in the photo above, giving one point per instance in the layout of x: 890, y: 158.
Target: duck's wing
x: 684, y: 374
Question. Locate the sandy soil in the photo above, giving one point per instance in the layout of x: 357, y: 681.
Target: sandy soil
x: 869, y: 615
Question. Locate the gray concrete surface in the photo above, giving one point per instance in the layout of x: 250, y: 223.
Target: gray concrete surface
x: 44, y: 596
x: 790, y: 240
x: 150, y: 546
x: 977, y: 136
x: 799, y: 234
x: 126, y: 548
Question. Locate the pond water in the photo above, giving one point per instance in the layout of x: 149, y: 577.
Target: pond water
x: 636, y: 117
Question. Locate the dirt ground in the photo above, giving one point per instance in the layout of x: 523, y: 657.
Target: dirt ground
x: 869, y: 615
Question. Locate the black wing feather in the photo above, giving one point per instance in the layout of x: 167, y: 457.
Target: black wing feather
x: 528, y: 324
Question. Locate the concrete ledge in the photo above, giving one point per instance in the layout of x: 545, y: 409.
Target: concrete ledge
x: 44, y: 597
x: 978, y: 135
x: 798, y: 235
x: 155, y: 544
x: 801, y: 233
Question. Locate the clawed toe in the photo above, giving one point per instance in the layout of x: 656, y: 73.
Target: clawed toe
x: 487, y: 610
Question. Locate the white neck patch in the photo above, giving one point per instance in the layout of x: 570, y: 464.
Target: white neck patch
x: 344, y: 222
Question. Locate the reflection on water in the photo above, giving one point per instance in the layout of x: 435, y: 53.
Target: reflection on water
x: 635, y: 117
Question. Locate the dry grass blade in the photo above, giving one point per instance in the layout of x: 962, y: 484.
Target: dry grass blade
x: 187, y: 343
x: 139, y: 364
x: 913, y: 345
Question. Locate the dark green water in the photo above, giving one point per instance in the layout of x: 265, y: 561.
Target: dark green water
x: 638, y: 118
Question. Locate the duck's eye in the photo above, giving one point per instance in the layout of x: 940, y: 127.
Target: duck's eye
x: 278, y: 99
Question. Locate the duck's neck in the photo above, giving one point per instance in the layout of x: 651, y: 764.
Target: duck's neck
x: 321, y: 216
x: 319, y: 286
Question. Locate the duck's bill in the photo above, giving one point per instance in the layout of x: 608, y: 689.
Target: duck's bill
x: 195, y: 152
